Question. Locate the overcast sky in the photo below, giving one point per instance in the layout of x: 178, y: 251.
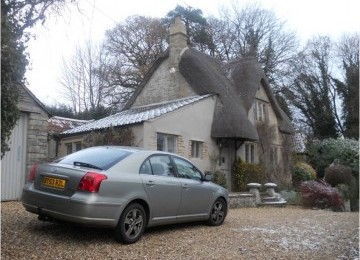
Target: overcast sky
x: 58, y: 38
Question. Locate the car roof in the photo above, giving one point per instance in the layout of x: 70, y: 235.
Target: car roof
x: 130, y: 149
x: 134, y: 149
x: 127, y: 148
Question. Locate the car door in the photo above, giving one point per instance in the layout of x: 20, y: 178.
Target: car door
x: 162, y: 187
x: 196, y: 195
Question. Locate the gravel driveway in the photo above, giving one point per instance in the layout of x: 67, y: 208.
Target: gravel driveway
x: 248, y: 233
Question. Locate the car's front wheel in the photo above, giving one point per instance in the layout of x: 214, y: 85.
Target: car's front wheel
x: 218, y: 213
x: 131, y: 224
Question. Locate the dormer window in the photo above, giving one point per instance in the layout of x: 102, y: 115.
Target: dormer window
x: 260, y: 111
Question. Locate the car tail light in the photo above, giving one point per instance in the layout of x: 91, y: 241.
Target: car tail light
x: 32, y: 173
x: 91, y: 181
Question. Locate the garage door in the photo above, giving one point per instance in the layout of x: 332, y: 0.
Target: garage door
x: 13, y: 164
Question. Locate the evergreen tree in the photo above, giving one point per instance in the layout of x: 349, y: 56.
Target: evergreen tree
x: 312, y: 92
x: 196, y: 26
x: 13, y: 64
x: 348, y: 52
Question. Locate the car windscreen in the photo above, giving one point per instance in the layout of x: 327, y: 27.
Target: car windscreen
x: 96, y: 157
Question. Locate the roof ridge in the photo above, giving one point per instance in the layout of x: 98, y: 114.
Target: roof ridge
x: 170, y: 101
x: 71, y: 119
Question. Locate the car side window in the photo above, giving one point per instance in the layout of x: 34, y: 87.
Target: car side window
x: 145, y: 168
x: 186, y: 169
x: 161, y: 165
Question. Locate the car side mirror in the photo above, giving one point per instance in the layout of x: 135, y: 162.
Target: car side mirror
x: 208, y: 176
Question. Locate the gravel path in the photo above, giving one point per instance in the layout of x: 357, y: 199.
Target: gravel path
x: 248, y: 233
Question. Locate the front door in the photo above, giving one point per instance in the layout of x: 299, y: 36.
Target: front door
x: 225, y: 164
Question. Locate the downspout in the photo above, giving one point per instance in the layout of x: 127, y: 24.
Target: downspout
x: 219, y: 144
x: 57, y: 141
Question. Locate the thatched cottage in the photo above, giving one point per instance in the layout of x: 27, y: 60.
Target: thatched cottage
x: 193, y: 105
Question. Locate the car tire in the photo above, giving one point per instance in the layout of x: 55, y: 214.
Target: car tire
x: 131, y: 224
x: 218, y: 213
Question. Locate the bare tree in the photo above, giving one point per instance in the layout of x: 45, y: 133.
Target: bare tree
x: 83, y: 81
x: 134, y: 45
x: 28, y: 13
x: 255, y: 31
x: 223, y: 38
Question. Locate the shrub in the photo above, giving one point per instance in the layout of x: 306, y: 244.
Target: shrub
x: 319, y: 194
x: 244, y: 173
x: 344, y: 151
x: 219, y: 178
x: 292, y: 197
x: 344, y: 191
x: 301, y: 172
x: 338, y: 174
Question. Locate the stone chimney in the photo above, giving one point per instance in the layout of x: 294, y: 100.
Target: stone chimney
x: 178, y: 41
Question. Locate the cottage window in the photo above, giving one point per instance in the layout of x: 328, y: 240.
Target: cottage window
x: 255, y: 111
x: 68, y: 148
x: 77, y: 146
x: 250, y: 153
x: 196, y: 148
x: 167, y: 143
x: 274, y: 155
x: 260, y: 111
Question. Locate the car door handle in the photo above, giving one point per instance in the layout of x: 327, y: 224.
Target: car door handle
x: 150, y: 183
x: 185, y: 186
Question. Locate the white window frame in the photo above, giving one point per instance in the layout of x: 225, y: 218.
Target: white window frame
x: 274, y: 157
x: 260, y: 109
x: 250, y: 153
x: 169, y: 142
x: 196, y: 149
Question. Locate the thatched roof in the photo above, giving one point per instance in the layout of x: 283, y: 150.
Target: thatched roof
x: 246, y: 74
x: 205, y: 76
x: 235, y: 84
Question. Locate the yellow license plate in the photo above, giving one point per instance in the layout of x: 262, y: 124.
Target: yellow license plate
x: 54, y: 182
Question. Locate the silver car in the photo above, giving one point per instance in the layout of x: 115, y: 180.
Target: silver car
x: 127, y: 189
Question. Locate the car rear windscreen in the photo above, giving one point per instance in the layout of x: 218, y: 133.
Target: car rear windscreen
x: 99, y: 157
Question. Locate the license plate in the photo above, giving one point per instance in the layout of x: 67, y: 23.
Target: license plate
x: 54, y: 182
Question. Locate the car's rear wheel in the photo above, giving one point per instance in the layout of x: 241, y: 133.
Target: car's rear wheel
x: 218, y: 213
x: 131, y: 224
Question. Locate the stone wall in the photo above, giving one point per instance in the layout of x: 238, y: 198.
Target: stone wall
x: 242, y: 200
x: 37, y: 146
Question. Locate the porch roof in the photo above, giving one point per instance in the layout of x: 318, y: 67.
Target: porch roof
x: 59, y: 124
x: 136, y: 115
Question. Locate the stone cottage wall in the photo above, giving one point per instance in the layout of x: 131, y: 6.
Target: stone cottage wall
x: 164, y: 85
